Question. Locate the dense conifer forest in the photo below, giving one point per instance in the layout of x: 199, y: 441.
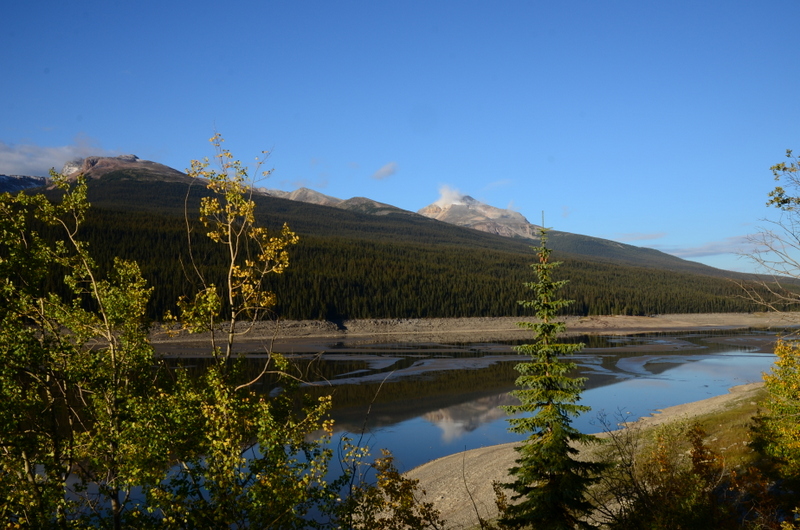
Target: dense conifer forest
x: 353, y: 265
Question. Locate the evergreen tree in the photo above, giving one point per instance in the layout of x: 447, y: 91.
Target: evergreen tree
x: 549, y: 483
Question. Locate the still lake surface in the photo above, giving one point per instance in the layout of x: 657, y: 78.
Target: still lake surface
x: 425, y: 401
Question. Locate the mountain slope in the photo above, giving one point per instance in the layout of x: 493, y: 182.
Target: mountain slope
x: 352, y: 264
x: 469, y: 213
x: 303, y: 195
x: 121, y: 167
x: 129, y: 174
x: 15, y: 183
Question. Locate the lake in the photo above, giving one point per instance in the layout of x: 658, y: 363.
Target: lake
x: 425, y: 401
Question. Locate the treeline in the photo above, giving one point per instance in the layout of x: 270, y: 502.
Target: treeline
x: 333, y: 278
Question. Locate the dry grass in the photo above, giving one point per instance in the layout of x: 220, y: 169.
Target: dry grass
x: 729, y: 429
x: 726, y: 420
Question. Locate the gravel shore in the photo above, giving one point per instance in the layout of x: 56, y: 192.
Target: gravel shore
x: 460, y: 484
x: 313, y: 335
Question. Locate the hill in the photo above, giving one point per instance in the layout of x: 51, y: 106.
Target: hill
x: 352, y: 263
x: 467, y: 212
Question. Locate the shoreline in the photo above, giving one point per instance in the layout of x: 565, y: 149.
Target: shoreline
x: 461, y: 483
x: 312, y: 336
x: 457, y: 482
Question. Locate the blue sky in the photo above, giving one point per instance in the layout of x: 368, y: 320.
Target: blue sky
x: 652, y: 123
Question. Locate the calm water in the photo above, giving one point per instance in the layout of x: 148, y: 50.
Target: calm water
x: 427, y: 415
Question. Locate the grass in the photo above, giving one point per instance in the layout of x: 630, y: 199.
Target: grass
x: 729, y: 431
x: 728, y: 434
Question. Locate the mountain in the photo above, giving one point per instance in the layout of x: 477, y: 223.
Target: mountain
x: 368, y: 206
x: 465, y: 212
x: 363, y: 259
x: 469, y: 213
x: 356, y: 204
x: 479, y: 216
x: 95, y: 167
x: 304, y: 195
x: 14, y: 183
x: 122, y: 167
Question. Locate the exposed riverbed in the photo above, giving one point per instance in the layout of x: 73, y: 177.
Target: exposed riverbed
x: 426, y: 389
x: 424, y: 399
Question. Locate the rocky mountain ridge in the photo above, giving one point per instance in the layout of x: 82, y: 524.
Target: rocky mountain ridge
x: 466, y: 212
x: 14, y: 183
x: 462, y: 211
x: 93, y: 167
x: 354, y: 204
x: 474, y: 214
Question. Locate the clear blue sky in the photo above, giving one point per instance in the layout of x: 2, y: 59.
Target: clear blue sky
x: 652, y: 123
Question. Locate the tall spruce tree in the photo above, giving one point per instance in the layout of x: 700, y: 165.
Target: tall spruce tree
x: 549, y: 484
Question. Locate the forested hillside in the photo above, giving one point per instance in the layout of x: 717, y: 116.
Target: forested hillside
x: 353, y: 265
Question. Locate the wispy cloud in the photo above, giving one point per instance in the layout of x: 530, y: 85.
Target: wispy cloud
x: 386, y: 171
x: 502, y: 183
x: 638, y: 236
x: 730, y: 245
x: 37, y: 160
x: 448, y: 195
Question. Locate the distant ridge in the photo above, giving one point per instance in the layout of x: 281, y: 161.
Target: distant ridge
x: 464, y: 212
x: 355, y: 204
x: 123, y: 166
x: 304, y: 195
x: 14, y: 183
x: 359, y: 258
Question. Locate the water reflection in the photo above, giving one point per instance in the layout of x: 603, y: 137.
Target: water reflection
x: 458, y: 420
x: 431, y: 400
x: 444, y: 412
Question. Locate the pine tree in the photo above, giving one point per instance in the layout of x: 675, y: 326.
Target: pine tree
x: 549, y: 483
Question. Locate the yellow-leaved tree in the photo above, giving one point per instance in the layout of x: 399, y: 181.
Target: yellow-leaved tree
x: 254, y: 460
x: 247, y: 460
x: 97, y: 432
x: 76, y: 371
x: 777, y: 254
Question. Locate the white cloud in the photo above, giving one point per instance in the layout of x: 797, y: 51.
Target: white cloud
x: 386, y: 171
x: 730, y: 245
x: 638, y: 236
x: 37, y: 160
x: 502, y: 183
x: 448, y: 196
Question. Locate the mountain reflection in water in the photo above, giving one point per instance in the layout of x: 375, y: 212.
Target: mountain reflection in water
x: 458, y: 420
x: 456, y: 404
